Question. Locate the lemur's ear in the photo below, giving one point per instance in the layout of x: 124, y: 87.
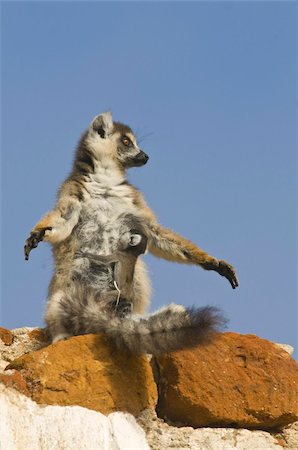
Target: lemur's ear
x: 103, y: 124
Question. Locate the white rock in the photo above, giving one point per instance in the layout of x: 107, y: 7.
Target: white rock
x: 290, y: 436
x: 229, y: 439
x: 214, y: 439
x: 25, y: 425
x: 286, y: 347
x: 162, y: 436
x: 127, y: 433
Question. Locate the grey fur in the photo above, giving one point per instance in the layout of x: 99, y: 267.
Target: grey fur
x: 171, y: 328
x: 168, y: 329
x: 96, y: 209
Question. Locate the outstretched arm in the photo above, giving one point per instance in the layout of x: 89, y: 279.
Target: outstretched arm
x: 166, y: 244
x: 56, y: 225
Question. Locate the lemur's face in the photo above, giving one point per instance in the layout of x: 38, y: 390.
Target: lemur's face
x: 115, y: 140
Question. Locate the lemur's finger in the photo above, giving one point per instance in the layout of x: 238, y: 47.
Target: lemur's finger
x: 228, y: 271
x: 232, y: 279
x: 235, y: 281
x: 33, y: 241
x: 27, y: 249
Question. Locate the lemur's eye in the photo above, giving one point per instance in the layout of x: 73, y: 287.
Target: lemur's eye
x: 126, y: 141
x: 101, y: 132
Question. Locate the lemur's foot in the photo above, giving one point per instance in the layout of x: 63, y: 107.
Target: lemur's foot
x: 33, y: 241
x: 122, y: 308
x: 226, y: 270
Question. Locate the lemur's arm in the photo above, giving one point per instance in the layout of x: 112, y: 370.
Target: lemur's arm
x: 56, y: 225
x: 166, y: 244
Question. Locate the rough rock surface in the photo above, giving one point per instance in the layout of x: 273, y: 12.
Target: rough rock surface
x: 237, y: 380
x: 289, y: 436
x: 26, y: 425
x: 86, y: 371
x: 19, y: 341
x: 6, y: 336
x: 161, y: 435
x: 286, y: 347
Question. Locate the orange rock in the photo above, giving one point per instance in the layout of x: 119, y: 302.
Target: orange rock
x: 6, y: 336
x: 237, y: 380
x: 39, y: 334
x: 86, y: 371
x: 15, y: 381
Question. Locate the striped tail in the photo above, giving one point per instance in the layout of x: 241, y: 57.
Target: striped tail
x: 171, y: 328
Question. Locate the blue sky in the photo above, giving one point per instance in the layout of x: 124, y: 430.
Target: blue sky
x: 214, y: 85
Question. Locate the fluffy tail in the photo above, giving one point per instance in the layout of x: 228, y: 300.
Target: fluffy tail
x: 170, y: 328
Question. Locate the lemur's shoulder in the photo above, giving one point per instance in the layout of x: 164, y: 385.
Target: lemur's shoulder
x: 141, y: 204
x: 73, y: 187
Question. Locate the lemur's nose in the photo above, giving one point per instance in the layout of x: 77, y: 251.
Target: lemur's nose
x: 145, y: 157
x: 142, y: 157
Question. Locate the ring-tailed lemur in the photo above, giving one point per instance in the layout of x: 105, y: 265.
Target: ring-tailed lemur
x: 88, y: 216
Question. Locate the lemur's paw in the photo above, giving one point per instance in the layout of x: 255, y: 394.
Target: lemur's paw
x: 33, y: 240
x: 226, y: 270
x: 122, y: 308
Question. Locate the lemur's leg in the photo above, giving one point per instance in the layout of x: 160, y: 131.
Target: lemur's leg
x: 166, y: 244
x: 141, y: 288
x: 118, y: 301
x: 53, y: 317
x: 115, y: 304
x: 55, y: 226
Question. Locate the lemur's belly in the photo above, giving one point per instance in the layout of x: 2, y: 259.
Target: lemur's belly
x: 98, y: 232
x: 100, y: 224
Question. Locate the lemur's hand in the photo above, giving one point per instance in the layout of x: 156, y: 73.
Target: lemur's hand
x: 33, y: 240
x: 226, y: 270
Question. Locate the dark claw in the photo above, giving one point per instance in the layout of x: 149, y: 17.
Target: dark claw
x: 33, y: 241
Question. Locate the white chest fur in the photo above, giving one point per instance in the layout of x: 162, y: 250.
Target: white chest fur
x: 99, y: 227
x: 108, y: 197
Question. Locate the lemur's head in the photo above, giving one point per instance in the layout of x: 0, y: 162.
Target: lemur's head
x: 113, y: 140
